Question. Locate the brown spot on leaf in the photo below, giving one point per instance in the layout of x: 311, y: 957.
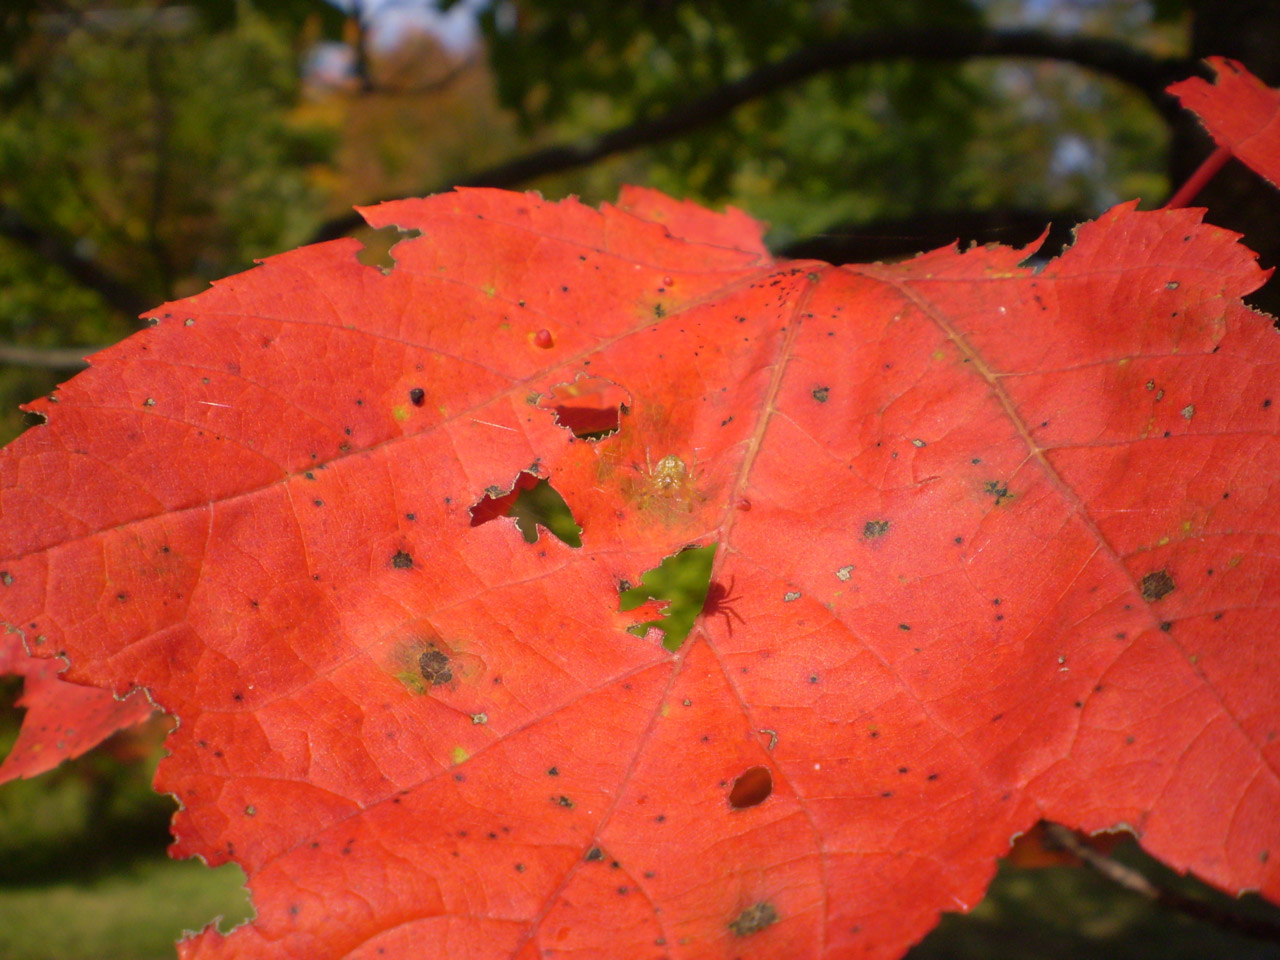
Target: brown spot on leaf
x: 754, y: 919
x: 1157, y: 585
x: 435, y: 666
x: 874, y: 529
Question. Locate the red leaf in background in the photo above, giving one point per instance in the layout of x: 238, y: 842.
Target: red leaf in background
x: 63, y: 719
x: 1240, y: 111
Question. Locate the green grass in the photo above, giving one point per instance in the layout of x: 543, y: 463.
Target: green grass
x: 134, y: 913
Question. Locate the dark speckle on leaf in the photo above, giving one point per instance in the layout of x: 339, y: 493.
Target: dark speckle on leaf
x: 402, y: 560
x: 875, y: 528
x: 821, y: 393
x: 997, y: 489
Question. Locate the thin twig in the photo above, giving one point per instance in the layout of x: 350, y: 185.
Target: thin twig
x: 48, y: 358
x: 1131, y: 879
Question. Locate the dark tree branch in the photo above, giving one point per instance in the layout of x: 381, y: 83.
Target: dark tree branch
x: 1148, y: 74
x: 60, y: 250
x: 1131, y: 879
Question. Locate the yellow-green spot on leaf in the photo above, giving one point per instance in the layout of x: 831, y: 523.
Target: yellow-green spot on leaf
x: 400, y: 413
x: 412, y: 682
x: 489, y: 290
x: 459, y: 755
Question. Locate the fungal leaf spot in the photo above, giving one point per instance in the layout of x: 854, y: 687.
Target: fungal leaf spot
x: 874, y: 529
x: 1156, y: 585
x: 998, y: 490
x: 422, y: 661
x: 754, y: 919
x: 435, y: 666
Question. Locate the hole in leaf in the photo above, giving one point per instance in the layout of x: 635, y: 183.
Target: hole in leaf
x: 591, y: 408
x: 378, y: 245
x: 681, y: 581
x: 531, y: 502
x: 751, y: 788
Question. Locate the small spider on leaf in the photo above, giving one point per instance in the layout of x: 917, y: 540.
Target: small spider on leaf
x: 719, y: 603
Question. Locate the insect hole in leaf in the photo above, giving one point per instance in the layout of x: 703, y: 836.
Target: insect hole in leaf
x: 531, y: 502
x: 681, y: 581
x: 590, y: 408
x: 751, y: 788
x: 378, y: 245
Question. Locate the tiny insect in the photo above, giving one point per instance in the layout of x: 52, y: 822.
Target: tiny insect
x: 720, y: 601
x: 669, y: 481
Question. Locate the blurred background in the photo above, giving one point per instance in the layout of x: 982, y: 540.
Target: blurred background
x: 147, y: 148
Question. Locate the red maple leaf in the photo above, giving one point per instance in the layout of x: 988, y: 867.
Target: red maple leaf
x: 63, y: 719
x: 998, y: 541
x: 1240, y: 111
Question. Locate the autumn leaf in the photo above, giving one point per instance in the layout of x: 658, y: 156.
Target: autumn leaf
x: 993, y: 543
x: 63, y: 720
x: 1240, y: 111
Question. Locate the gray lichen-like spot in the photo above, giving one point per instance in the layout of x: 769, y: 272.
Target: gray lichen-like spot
x: 754, y: 919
